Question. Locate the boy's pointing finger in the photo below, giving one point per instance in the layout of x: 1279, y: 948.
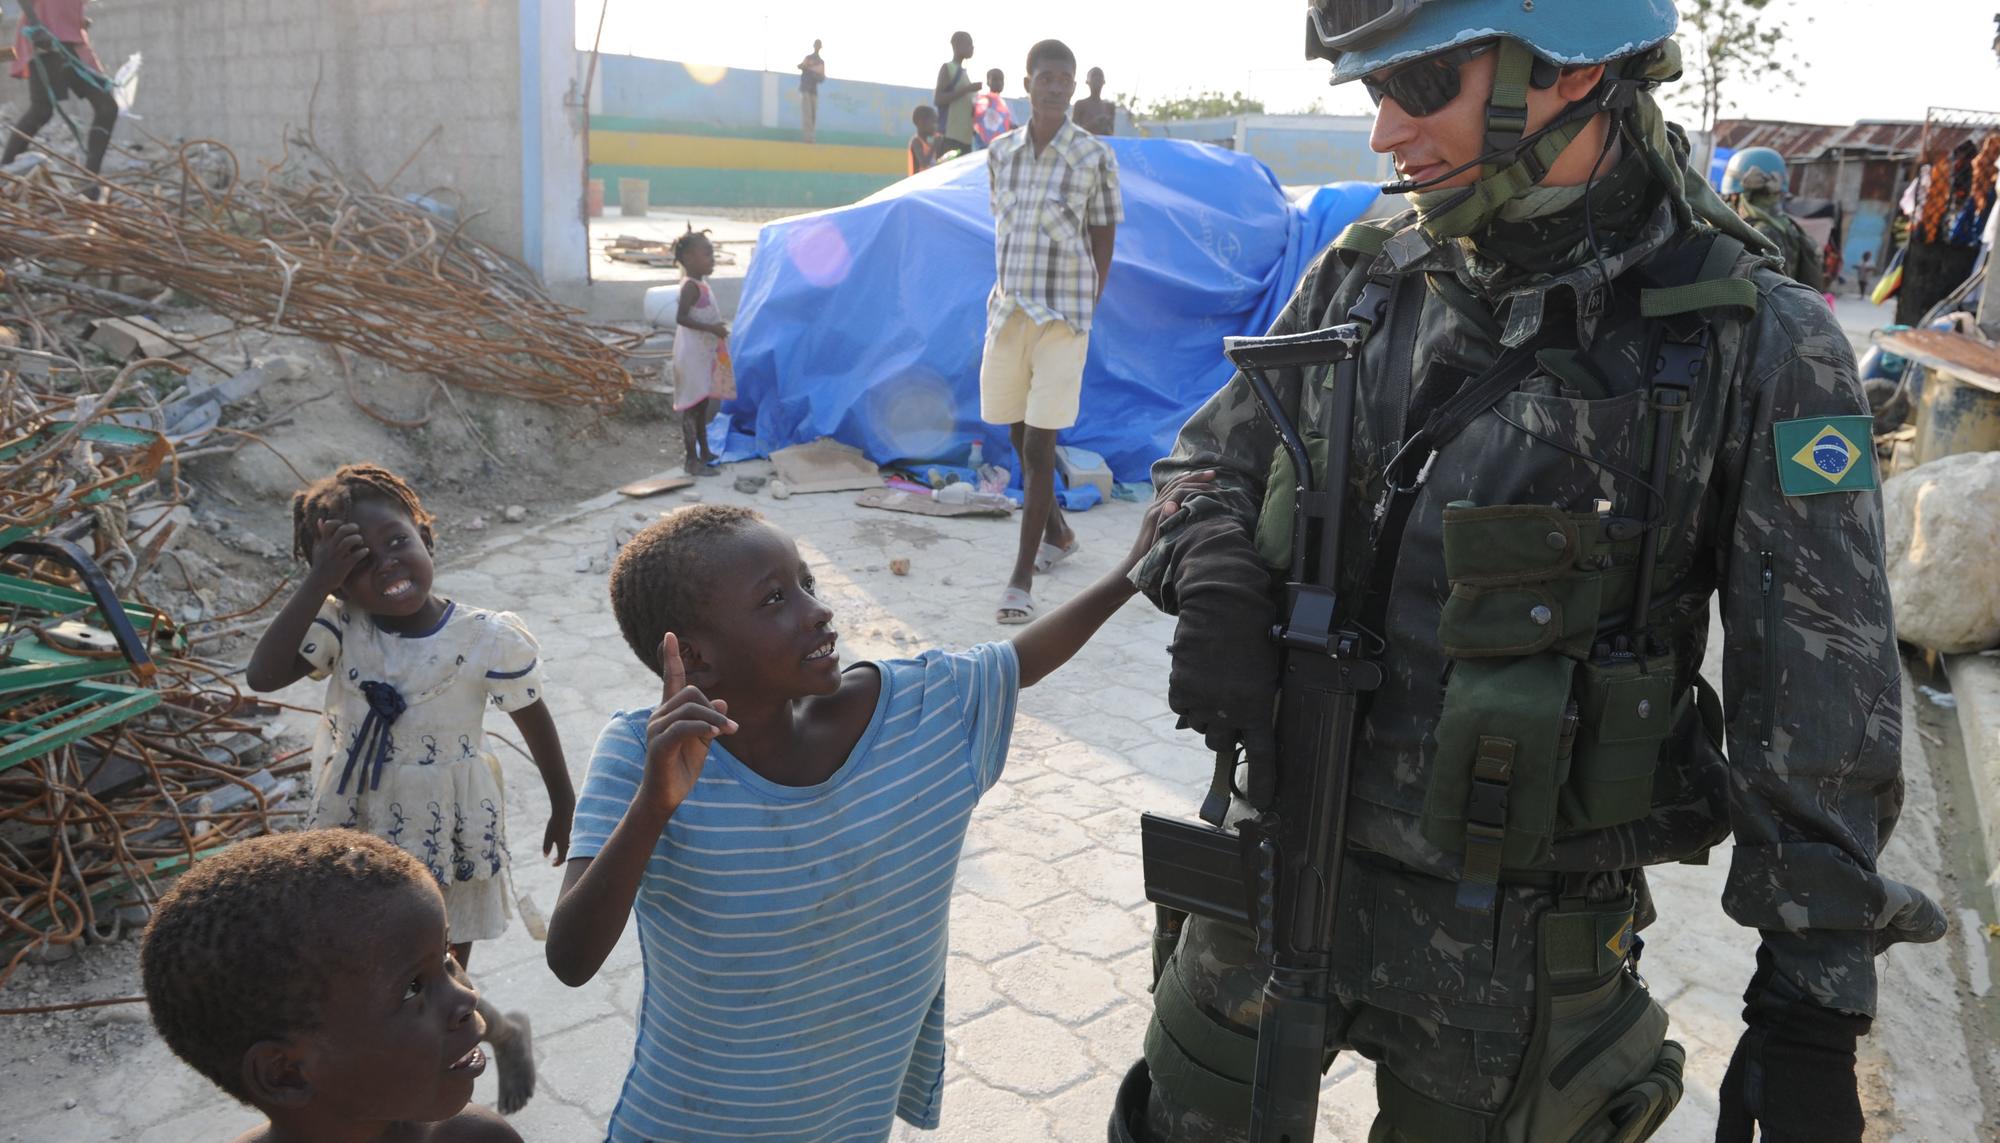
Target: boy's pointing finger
x: 673, y: 675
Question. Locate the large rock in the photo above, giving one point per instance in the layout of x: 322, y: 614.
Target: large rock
x: 1942, y: 525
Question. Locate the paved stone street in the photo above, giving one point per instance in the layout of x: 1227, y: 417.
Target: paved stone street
x: 1050, y: 965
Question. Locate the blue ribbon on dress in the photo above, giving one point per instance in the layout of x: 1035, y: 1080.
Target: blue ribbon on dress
x: 372, y: 742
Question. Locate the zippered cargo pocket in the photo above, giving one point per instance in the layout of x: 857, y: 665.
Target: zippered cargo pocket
x: 1773, y: 592
x: 1601, y: 1039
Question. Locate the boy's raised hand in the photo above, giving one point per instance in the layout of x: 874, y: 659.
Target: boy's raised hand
x: 678, y: 733
x: 338, y: 551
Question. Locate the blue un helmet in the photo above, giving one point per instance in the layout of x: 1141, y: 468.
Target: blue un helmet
x: 1754, y: 169
x: 1361, y: 36
x: 1535, y: 39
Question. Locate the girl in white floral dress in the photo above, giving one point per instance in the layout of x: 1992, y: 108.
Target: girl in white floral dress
x: 401, y: 747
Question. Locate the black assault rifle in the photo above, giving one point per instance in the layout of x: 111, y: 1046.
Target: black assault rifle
x: 1279, y: 873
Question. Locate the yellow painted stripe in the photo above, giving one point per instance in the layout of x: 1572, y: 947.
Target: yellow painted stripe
x: 639, y: 149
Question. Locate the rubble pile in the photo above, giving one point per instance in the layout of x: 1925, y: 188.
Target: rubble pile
x: 123, y: 754
x: 162, y: 314
x: 303, y: 249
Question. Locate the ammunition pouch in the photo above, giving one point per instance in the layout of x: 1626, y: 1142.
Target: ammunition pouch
x: 1542, y: 732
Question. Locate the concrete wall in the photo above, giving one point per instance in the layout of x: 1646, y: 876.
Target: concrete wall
x: 1299, y: 149
x: 716, y: 136
x: 712, y: 136
x: 387, y: 72
x: 556, y: 234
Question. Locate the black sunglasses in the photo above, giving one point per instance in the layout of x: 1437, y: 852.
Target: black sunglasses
x: 1423, y: 87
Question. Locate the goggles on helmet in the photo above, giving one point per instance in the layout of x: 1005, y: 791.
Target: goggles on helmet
x: 1423, y: 87
x: 1334, y: 26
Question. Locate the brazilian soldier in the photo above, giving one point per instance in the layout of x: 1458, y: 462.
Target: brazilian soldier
x: 1754, y: 183
x: 1536, y: 580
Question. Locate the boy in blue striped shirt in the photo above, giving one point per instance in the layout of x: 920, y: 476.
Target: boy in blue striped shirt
x: 787, y: 834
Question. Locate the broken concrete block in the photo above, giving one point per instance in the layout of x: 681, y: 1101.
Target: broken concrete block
x: 125, y: 338
x: 143, y: 520
x: 514, y: 514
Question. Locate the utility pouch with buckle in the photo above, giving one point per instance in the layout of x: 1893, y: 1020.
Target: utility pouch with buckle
x: 1625, y: 708
x: 1525, y: 596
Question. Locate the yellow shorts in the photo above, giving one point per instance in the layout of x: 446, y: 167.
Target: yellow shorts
x: 1032, y: 373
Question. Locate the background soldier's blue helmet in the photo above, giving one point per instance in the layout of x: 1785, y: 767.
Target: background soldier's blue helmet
x: 1754, y: 169
x: 1361, y: 36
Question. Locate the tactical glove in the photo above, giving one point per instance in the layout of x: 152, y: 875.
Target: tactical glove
x: 1224, y: 679
x: 1793, y: 1071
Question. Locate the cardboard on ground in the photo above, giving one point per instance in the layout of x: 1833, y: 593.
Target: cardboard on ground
x: 825, y: 465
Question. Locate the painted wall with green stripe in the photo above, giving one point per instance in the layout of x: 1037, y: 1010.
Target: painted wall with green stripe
x: 704, y: 136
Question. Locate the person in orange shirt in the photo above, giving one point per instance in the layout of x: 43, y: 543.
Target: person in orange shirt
x: 52, y: 52
x: 924, y: 144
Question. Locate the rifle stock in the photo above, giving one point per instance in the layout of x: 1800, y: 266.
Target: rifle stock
x: 1279, y: 872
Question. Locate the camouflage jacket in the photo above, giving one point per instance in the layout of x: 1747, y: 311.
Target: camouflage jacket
x: 1812, y: 784
x: 1803, y: 262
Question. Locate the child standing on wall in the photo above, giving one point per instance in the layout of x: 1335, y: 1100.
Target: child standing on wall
x: 991, y: 117
x: 703, y: 375
x: 924, y: 144
x: 401, y: 746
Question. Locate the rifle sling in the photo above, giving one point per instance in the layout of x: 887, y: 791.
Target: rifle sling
x: 1443, y: 426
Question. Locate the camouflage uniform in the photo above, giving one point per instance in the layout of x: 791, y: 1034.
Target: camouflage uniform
x: 1445, y: 998
x: 1803, y: 261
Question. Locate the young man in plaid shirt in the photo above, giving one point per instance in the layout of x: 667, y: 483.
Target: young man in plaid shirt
x: 1055, y: 211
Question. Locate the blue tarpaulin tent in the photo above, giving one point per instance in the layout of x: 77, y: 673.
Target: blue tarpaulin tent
x: 866, y: 323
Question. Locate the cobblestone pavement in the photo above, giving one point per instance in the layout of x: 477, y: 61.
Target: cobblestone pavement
x: 1049, y: 968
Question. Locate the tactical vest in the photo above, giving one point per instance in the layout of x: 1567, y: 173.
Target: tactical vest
x: 1559, y: 702
x: 1803, y: 262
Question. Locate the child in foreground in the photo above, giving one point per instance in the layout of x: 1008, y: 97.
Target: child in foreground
x: 307, y: 975
x: 787, y: 834
x: 401, y: 749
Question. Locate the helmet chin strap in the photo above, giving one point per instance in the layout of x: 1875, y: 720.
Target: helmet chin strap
x: 1496, y: 158
x: 1515, y: 159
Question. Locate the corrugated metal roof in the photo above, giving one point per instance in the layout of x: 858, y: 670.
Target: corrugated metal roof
x: 1889, y: 138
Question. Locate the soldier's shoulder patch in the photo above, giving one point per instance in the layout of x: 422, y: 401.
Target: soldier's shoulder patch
x: 1825, y: 454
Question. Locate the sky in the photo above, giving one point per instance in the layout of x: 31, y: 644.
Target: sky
x: 1857, y: 64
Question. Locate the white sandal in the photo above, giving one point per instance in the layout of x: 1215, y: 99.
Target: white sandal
x: 1048, y: 555
x: 1016, y: 607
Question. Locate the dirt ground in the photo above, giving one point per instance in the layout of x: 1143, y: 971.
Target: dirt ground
x: 240, y: 547
x: 238, y: 550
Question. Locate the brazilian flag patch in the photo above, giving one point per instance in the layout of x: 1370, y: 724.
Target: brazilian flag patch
x: 1825, y: 454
